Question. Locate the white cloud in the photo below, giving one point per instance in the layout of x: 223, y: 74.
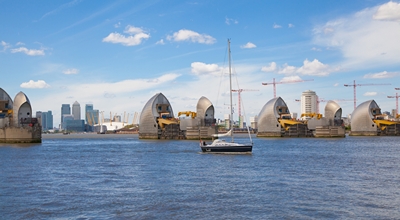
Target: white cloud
x: 188, y: 35
x: 368, y: 38
x: 388, y: 12
x: 30, y: 52
x: 370, y: 94
x: 315, y: 49
x: 135, y: 36
x: 291, y: 25
x: 71, y: 71
x: 288, y: 70
x: 117, y: 25
x: 381, y: 75
x: 314, y: 68
x: 228, y: 21
x: 248, y: 46
x: 336, y: 84
x: 276, y: 26
x: 40, y: 84
x: 5, y: 45
x: 290, y: 79
x: 199, y: 68
x: 160, y: 42
x: 271, y: 68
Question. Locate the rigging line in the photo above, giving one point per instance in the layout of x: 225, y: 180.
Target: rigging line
x: 221, y: 76
x: 242, y: 102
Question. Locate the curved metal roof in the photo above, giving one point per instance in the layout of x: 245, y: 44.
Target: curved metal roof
x: 21, y: 100
x: 149, y: 114
x: 268, y: 117
x: 362, y: 117
x: 4, y: 96
x: 333, y: 110
x: 204, y: 108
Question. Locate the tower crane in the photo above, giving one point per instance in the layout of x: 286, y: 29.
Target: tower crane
x: 397, y: 102
x: 239, y: 91
x: 291, y: 81
x: 354, y: 85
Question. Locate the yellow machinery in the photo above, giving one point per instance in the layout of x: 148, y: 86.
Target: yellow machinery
x: 164, y: 121
x: 312, y: 115
x: 188, y: 113
x: 286, y: 121
x: 382, y: 124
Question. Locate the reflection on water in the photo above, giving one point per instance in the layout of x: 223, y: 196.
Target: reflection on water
x: 120, y: 176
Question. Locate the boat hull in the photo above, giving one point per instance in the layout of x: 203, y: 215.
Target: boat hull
x: 227, y: 149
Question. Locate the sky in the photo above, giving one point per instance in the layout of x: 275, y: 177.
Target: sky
x: 116, y: 55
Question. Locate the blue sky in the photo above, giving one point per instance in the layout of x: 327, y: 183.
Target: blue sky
x: 117, y: 54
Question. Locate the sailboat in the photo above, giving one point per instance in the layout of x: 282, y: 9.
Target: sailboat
x: 221, y: 145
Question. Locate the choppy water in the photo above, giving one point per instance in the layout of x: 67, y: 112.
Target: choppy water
x: 122, y: 177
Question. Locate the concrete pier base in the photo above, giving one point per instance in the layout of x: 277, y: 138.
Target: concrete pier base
x: 24, y: 134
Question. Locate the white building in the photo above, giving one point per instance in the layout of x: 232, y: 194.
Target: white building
x: 309, y: 102
x: 76, y: 110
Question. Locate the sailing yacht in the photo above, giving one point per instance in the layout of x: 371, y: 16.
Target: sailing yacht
x: 221, y: 145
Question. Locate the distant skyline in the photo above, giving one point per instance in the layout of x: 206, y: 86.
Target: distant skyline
x: 117, y: 54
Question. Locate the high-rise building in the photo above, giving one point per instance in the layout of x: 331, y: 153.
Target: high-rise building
x: 76, y: 110
x: 45, y: 119
x: 49, y: 120
x: 65, y: 110
x: 309, y: 102
x: 88, y: 107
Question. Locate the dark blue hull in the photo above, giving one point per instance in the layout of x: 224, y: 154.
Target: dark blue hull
x: 227, y: 149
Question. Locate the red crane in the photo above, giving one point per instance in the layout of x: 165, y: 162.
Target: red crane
x: 397, y: 101
x: 354, y: 85
x: 239, y: 91
x: 290, y: 81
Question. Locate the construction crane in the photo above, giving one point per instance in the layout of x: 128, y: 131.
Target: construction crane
x: 239, y: 91
x: 290, y: 81
x: 397, y: 102
x: 354, y: 85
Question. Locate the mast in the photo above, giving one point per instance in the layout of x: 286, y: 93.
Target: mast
x: 230, y: 90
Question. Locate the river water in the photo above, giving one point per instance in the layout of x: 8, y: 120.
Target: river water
x: 122, y: 177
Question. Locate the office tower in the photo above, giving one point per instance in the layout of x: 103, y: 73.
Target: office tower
x: 49, y: 120
x: 65, y: 110
x: 39, y: 117
x: 76, y: 110
x: 88, y: 107
x: 309, y: 101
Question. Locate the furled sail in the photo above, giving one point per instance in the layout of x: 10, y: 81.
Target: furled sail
x: 229, y: 133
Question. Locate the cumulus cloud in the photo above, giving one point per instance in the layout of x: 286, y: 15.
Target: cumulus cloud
x: 135, y: 36
x: 290, y: 79
x: 30, y: 52
x: 188, y: 35
x: 276, y: 26
x: 381, y: 75
x: 228, y: 21
x: 40, y: 84
x: 388, y: 12
x: 368, y: 38
x: 291, y: 25
x: 286, y: 69
x: 248, y: 46
x: 270, y: 68
x: 71, y: 71
x: 314, y: 68
x: 199, y: 68
x: 370, y: 94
